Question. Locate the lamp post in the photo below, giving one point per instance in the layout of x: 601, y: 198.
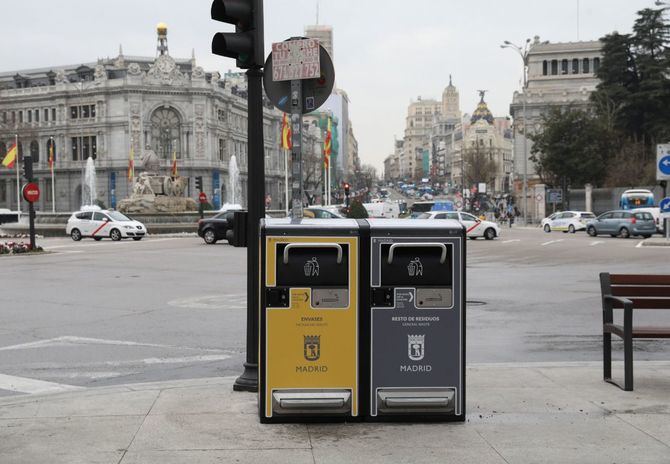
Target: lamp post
x: 523, y: 53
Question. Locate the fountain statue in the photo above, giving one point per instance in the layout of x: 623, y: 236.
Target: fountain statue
x: 234, y: 193
x: 154, y: 193
x: 88, y: 189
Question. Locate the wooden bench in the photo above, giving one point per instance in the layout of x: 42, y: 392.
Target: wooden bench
x: 630, y: 292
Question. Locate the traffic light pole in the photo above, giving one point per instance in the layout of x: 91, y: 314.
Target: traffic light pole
x: 248, y: 381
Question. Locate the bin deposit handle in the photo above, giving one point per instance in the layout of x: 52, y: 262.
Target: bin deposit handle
x: 315, y: 245
x: 442, y: 246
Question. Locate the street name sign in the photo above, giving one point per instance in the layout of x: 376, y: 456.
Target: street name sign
x: 555, y: 195
x: 663, y: 161
x: 296, y: 60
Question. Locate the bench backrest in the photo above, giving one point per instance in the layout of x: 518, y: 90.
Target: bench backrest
x: 645, y: 291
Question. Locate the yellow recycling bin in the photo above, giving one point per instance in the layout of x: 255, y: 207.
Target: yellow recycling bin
x: 308, y: 353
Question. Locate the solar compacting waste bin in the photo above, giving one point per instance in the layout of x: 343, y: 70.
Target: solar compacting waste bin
x: 415, y: 321
x: 308, y: 354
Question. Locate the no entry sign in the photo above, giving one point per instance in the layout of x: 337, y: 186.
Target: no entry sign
x: 31, y: 192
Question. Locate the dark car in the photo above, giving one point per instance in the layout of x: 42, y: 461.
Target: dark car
x: 623, y: 224
x: 215, y: 228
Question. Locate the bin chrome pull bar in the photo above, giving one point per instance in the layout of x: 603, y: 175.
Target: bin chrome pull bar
x: 319, y: 245
x: 442, y: 246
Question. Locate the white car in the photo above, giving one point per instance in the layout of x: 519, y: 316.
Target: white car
x: 567, y: 221
x: 474, y: 226
x: 101, y: 224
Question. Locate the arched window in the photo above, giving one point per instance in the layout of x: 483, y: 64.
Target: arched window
x: 545, y: 67
x: 575, y: 66
x: 554, y: 67
x: 3, y: 149
x: 166, y: 133
x: 564, y: 67
x: 596, y: 65
x: 35, y: 151
x: 586, y: 66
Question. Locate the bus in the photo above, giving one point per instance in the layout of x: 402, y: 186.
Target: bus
x: 638, y: 198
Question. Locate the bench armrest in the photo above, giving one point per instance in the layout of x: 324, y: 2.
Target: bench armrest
x: 609, y: 299
x: 627, y: 313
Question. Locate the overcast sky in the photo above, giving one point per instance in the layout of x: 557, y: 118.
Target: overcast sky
x: 386, y: 51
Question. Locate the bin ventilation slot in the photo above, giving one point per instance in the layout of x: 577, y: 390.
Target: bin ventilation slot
x: 409, y: 401
x: 311, y: 401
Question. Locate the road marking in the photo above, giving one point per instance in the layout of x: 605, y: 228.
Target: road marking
x: 595, y: 243
x: 552, y: 242
x: 511, y: 241
x: 69, y: 340
x: 33, y: 386
x: 217, y: 302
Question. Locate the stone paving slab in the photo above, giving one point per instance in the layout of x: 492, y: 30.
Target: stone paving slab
x: 530, y: 413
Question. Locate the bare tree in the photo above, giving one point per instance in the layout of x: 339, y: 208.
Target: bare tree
x: 479, y: 165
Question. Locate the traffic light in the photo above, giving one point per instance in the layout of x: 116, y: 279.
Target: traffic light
x: 246, y: 43
x: 347, y: 187
x: 198, y: 183
x: 27, y: 170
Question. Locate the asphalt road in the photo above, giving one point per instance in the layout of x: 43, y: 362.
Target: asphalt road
x: 103, y: 313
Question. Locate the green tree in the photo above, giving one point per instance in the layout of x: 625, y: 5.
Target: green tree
x: 634, y: 91
x: 357, y: 210
x: 574, y: 144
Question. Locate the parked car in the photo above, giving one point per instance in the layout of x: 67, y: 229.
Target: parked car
x: 102, y: 224
x: 567, y: 221
x: 474, y: 226
x: 320, y: 213
x: 622, y: 224
x: 656, y: 214
x: 213, y: 229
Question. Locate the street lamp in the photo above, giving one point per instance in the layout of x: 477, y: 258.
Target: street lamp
x: 523, y: 53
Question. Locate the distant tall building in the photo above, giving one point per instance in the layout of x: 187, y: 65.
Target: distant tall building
x: 325, y: 36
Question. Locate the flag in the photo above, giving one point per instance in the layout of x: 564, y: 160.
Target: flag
x: 131, y: 164
x: 174, y: 164
x: 328, y: 144
x: 11, y: 156
x: 286, y: 135
x: 51, y: 155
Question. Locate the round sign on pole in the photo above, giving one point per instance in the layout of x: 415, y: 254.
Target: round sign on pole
x: 202, y: 197
x: 31, y: 192
x: 315, y: 92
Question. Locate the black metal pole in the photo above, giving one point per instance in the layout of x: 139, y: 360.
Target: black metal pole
x: 248, y: 381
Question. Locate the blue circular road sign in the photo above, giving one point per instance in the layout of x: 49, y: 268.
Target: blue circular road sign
x: 664, y: 205
x: 664, y: 165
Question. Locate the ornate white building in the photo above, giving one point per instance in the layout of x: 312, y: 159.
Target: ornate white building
x: 559, y: 75
x: 105, y: 109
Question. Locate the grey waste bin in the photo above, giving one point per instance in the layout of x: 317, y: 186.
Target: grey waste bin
x: 416, y: 320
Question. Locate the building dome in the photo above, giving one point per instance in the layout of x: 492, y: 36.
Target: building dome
x: 482, y: 112
x: 161, y: 28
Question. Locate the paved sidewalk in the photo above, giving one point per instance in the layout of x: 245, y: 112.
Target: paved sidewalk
x: 553, y: 413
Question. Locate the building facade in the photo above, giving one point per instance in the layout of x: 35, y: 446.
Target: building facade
x: 559, y: 75
x: 111, y: 108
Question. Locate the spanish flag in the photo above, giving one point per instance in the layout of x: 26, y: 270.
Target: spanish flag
x: 174, y: 172
x: 131, y: 164
x: 51, y: 155
x: 11, y: 156
x: 286, y: 134
x: 328, y: 144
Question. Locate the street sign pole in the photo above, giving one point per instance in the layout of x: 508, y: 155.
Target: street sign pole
x: 296, y: 151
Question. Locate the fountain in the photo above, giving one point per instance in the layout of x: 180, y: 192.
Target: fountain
x: 88, y: 188
x: 234, y: 192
